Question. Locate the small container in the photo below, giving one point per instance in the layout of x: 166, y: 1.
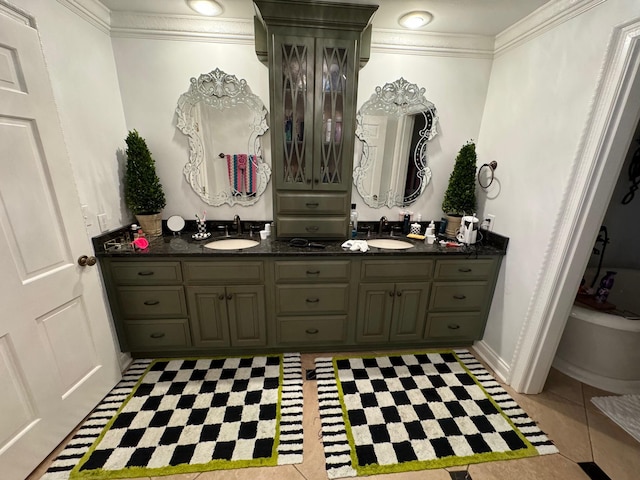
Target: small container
x: 430, y: 239
x: 415, y: 228
x: 264, y: 234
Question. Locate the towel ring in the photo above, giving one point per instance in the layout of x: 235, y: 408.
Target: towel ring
x: 491, y: 166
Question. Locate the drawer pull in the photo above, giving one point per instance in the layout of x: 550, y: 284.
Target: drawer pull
x: 221, y: 297
x: 312, y: 228
x: 313, y: 272
x: 157, y: 335
x: 145, y: 273
x: 453, y: 326
x: 312, y: 331
x: 312, y: 204
x: 399, y: 294
x: 459, y: 297
x: 312, y: 300
x: 391, y: 294
x: 464, y: 270
x: 229, y: 296
x: 151, y: 302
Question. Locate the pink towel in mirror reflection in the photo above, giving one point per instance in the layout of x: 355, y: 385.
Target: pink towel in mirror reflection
x: 141, y: 243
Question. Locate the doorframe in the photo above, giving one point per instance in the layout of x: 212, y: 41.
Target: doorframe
x: 614, y: 115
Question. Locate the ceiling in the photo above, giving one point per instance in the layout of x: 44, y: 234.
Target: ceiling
x: 479, y: 17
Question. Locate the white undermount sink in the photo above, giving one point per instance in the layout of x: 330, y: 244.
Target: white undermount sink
x: 232, y: 244
x: 389, y: 244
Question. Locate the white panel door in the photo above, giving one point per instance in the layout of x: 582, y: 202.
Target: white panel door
x: 57, y: 353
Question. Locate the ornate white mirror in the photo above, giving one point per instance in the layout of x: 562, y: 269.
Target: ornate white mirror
x: 225, y: 123
x: 393, y: 128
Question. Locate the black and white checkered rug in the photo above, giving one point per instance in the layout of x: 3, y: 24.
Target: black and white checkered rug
x: 398, y: 413
x: 177, y: 416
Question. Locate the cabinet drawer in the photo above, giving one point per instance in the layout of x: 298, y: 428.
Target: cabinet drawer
x: 312, y: 227
x: 157, y: 334
x: 146, y: 273
x: 458, y: 296
x: 399, y: 271
x: 303, y: 330
x: 156, y: 302
x: 224, y: 272
x: 316, y: 299
x: 312, y: 271
x: 312, y: 203
x: 463, y: 269
x: 454, y: 325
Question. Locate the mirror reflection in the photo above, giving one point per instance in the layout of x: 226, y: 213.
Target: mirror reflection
x: 393, y: 128
x: 225, y: 123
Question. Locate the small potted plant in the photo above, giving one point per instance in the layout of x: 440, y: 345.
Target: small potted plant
x: 460, y: 196
x: 143, y: 192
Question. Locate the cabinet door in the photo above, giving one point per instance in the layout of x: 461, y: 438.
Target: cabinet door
x: 375, y: 305
x: 293, y: 79
x: 334, y: 105
x: 247, y: 320
x: 409, y: 311
x: 208, y: 316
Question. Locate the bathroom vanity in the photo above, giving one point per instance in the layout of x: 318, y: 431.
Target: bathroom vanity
x: 179, y: 298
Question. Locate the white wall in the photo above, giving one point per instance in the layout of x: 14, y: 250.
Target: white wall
x: 539, y: 99
x: 154, y: 73
x: 81, y: 66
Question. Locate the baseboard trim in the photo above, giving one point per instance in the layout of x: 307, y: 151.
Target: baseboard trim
x: 492, y: 359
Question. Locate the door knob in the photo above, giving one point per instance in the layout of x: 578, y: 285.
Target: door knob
x: 87, y: 261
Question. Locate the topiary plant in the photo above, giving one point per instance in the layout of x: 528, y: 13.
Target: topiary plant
x: 143, y: 192
x: 460, y: 196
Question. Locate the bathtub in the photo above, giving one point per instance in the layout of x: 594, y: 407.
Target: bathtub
x: 602, y: 349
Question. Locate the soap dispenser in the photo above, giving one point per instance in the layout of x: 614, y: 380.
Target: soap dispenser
x: 353, y: 220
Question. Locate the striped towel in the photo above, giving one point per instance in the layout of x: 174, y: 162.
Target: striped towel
x: 243, y: 173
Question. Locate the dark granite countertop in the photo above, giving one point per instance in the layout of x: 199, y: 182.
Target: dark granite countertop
x: 183, y: 245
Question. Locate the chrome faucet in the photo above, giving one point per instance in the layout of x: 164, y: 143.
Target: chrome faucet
x: 237, y: 224
x: 383, y: 222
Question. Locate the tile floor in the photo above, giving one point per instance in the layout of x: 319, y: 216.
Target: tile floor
x: 563, y: 411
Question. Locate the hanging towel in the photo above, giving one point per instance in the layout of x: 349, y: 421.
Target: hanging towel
x: 242, y: 170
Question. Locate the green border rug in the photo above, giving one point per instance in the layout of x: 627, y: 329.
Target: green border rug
x: 405, y: 412
x: 171, y: 416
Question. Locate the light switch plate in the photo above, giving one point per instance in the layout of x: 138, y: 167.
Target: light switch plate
x: 102, y: 222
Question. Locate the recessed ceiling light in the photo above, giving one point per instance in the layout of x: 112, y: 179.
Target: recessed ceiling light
x: 210, y: 8
x: 415, y: 19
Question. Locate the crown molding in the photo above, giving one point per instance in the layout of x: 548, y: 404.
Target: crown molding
x: 548, y: 16
x: 92, y: 11
x: 427, y: 43
x: 181, y: 27
x: 17, y: 14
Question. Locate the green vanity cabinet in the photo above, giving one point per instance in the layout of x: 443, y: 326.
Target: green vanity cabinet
x: 393, y: 311
x: 460, y: 298
x: 148, y: 304
x: 226, y: 301
x: 312, y: 301
x: 313, y: 57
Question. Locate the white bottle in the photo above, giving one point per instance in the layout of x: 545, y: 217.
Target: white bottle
x: 354, y: 221
x: 431, y: 229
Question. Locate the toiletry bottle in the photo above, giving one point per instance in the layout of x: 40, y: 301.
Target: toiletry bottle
x: 405, y: 223
x: 354, y: 221
x: 431, y: 229
x: 605, y: 287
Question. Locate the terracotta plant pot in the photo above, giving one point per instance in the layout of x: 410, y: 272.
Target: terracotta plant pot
x: 151, y: 224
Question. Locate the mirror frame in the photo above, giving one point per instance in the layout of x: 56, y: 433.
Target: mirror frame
x: 221, y: 91
x: 396, y: 99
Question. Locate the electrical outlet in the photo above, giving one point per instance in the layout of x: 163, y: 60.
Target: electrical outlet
x: 102, y: 222
x: 489, y: 221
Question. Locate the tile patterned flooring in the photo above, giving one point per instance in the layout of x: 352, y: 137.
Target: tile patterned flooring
x: 563, y: 411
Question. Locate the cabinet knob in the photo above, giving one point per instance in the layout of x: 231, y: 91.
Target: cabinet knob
x: 312, y: 331
x: 399, y: 293
x: 453, y: 326
x: 459, y: 297
x: 221, y: 297
x: 157, y: 335
x: 391, y: 294
x: 229, y: 296
x: 316, y: 181
x: 151, y: 302
x: 145, y: 273
x: 312, y: 300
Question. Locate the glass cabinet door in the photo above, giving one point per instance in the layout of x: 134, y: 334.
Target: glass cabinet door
x: 294, y: 96
x: 334, y: 92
